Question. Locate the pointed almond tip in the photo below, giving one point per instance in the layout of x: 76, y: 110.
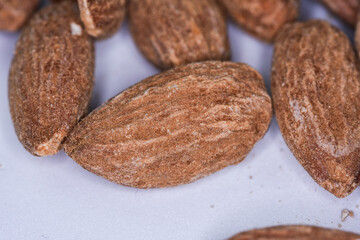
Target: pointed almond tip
x: 339, y: 189
x: 50, y: 147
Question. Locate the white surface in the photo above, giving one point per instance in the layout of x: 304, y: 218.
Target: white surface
x: 54, y: 198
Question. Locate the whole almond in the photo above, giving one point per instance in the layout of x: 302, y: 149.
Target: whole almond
x: 172, y: 33
x: 295, y: 233
x: 14, y: 13
x: 51, y: 78
x: 175, y: 127
x: 316, y: 95
x: 345, y: 9
x: 102, y: 18
x: 262, y: 18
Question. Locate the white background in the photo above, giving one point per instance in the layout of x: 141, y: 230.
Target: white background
x: 54, y: 198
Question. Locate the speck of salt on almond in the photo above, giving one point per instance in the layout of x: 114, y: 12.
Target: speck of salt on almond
x: 75, y: 29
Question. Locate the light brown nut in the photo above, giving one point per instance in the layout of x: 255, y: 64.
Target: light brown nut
x: 262, y: 18
x: 14, y: 13
x: 345, y: 9
x: 172, y: 33
x: 316, y: 94
x: 51, y: 78
x: 295, y: 233
x: 175, y: 127
x: 102, y: 18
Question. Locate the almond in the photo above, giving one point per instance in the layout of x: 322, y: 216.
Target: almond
x: 345, y: 9
x: 175, y: 127
x: 262, y: 18
x: 316, y: 95
x: 102, y: 18
x: 172, y: 33
x: 51, y: 78
x: 14, y: 13
x: 295, y: 233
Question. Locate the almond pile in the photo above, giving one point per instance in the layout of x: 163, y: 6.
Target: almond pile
x: 204, y: 113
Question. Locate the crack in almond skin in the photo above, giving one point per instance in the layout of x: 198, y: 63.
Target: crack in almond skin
x: 172, y: 33
x: 295, y: 233
x: 51, y: 78
x: 262, y: 18
x: 345, y: 9
x: 102, y: 18
x: 14, y: 13
x: 316, y: 94
x: 175, y: 127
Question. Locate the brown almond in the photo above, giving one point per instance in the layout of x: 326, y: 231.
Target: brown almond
x: 316, y: 94
x: 345, y: 9
x: 262, y: 18
x: 172, y: 33
x: 51, y: 78
x: 14, y: 13
x: 175, y: 127
x: 296, y: 233
x: 102, y: 18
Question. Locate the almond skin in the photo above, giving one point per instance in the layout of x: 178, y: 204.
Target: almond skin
x: 102, y: 18
x: 316, y: 95
x: 262, y: 18
x: 295, y: 233
x: 345, y: 9
x: 175, y: 127
x: 51, y: 78
x: 14, y: 13
x: 172, y: 32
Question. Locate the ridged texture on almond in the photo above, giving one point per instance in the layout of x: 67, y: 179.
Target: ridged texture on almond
x: 316, y: 95
x: 14, y: 13
x: 296, y: 233
x: 262, y: 18
x: 102, y: 18
x: 175, y: 127
x: 345, y: 9
x: 51, y: 78
x: 172, y: 32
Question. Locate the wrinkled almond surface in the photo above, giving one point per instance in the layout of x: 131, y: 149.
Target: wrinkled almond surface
x: 316, y: 95
x: 14, y: 13
x: 175, y: 127
x: 172, y: 32
x: 346, y: 9
x: 262, y: 18
x: 296, y: 233
x: 102, y: 18
x: 51, y: 78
